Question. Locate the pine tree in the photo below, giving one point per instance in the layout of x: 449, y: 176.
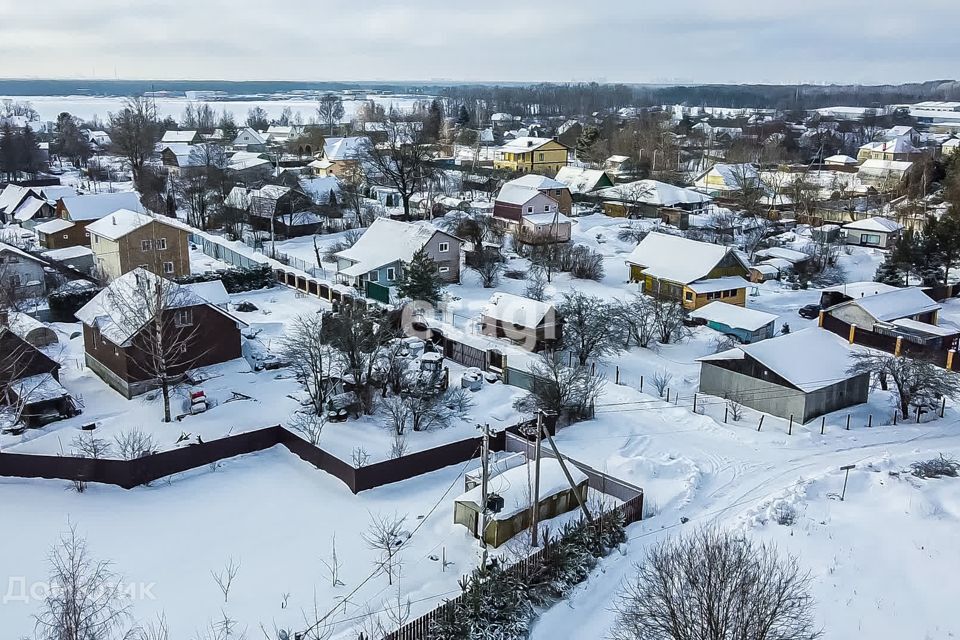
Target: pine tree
x: 8, y: 151
x: 420, y: 279
x: 463, y: 116
x: 889, y: 272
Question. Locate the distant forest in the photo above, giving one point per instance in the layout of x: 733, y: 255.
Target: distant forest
x: 545, y: 99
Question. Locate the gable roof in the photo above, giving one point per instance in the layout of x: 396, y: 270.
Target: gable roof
x: 733, y: 316
x: 96, y: 205
x: 9, y: 248
x: 535, y: 181
x: 121, y: 326
x: 524, y: 312
x: 12, y: 196
x: 249, y: 132
x: 580, y: 180
x: 654, y: 192
x: 387, y: 241
x: 349, y: 148
x: 894, y: 305
x: 28, y: 208
x: 732, y: 174
x: 179, y: 136
x: 809, y: 359
x: 53, y: 226
x: 876, y: 223
x: 120, y: 223
x: 678, y: 259
x: 519, y: 194
x: 526, y: 144
x: 897, y: 145
x: 30, y: 361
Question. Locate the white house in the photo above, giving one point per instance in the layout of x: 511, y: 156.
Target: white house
x: 20, y: 272
x: 872, y: 232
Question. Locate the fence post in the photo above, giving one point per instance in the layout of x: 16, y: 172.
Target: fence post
x: 668, y: 396
x: 761, y: 423
x: 898, y: 346
x: 950, y: 355
x: 918, y: 414
x: 848, y: 422
x: 695, y: 403
x: 895, y: 412
x: 641, y: 384
x: 823, y: 424
x: 870, y: 421
x: 853, y: 333
x: 618, y: 374
x: 943, y: 405
x: 790, y: 428
x: 820, y: 318
x: 725, y: 411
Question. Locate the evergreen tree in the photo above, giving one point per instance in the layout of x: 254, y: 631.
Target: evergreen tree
x: 587, y: 144
x: 420, y: 279
x: 942, y: 243
x: 889, y: 272
x: 433, y: 126
x: 69, y: 142
x: 463, y: 116
x: 8, y: 151
x: 28, y: 151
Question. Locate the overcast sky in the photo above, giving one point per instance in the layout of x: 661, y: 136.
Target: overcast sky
x: 873, y: 41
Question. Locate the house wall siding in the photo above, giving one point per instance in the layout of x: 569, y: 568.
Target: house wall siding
x: 449, y: 259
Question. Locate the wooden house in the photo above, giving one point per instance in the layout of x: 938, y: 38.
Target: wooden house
x: 75, y: 213
x: 531, y: 155
x: 125, y: 240
x: 533, y: 214
x: 533, y: 324
x: 695, y: 273
x: 22, y: 274
x: 117, y: 330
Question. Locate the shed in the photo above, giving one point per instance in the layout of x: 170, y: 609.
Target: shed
x: 804, y: 374
x: 31, y: 330
x: 556, y: 497
x: 872, y: 232
x: 532, y: 323
x: 747, y: 325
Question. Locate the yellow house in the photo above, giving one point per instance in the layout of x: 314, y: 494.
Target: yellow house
x: 695, y: 273
x: 125, y: 240
x: 531, y: 155
x: 898, y: 149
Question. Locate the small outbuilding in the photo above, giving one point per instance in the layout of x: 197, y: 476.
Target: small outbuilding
x: 872, y: 232
x: 746, y: 325
x: 803, y: 374
x: 508, y: 497
x: 520, y: 319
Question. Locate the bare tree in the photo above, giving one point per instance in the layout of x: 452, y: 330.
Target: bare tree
x: 536, y: 284
x: 734, y: 406
x: 330, y: 110
x: 587, y: 329
x: 403, y: 161
x: 134, y: 131
x: 84, y: 599
x: 87, y: 445
x: 669, y: 320
x: 715, y: 585
x: 225, y: 577
x: 358, y: 334
x: 333, y: 565
x: 308, y: 424
x: 312, y: 358
x: 637, y: 319
x: 398, y: 448
x: 568, y: 391
x: 661, y: 380
x: 155, y: 630
x: 155, y: 318
x: 385, y: 535
x: 488, y: 264
x: 918, y: 383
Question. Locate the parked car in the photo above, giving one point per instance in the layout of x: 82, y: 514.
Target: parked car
x: 810, y: 311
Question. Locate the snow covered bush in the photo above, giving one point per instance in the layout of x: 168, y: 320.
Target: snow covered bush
x: 936, y: 468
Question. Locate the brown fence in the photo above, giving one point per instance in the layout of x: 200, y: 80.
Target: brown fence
x: 888, y: 343
x: 132, y: 473
x: 419, y: 629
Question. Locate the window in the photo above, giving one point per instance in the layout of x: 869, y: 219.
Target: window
x: 556, y: 192
x: 161, y: 244
x: 146, y: 245
x: 546, y: 208
x: 373, y: 276
x: 96, y: 239
x: 444, y: 247
x: 688, y: 296
x: 541, y: 157
x: 15, y: 280
x: 529, y: 209
x: 391, y: 274
x: 184, y: 317
x: 66, y: 236
x: 168, y: 267
x: 444, y: 269
x: 870, y: 238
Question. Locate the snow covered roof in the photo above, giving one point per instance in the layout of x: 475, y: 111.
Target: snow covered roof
x: 178, y: 136
x: 22, y: 324
x: 883, y: 166
x: 96, y: 205
x: 925, y: 327
x: 733, y: 316
x: 535, y: 181
x: 676, y: 258
x: 119, y: 223
x: 718, y: 284
x: 524, y: 144
x: 791, y: 255
x: 9, y: 248
x: 896, y: 304
x: 53, y: 226
x: 271, y: 191
x: 512, y: 486
x: 580, y: 180
x: 28, y: 208
x: 876, y: 223
x: 655, y: 193
x: 732, y: 174
x: 897, y: 145
x: 213, y: 292
x: 12, y: 196
x: 519, y: 194
x: 252, y: 134
x: 546, y: 218
x: 523, y: 312
x: 387, y: 241
x: 38, y: 388
x: 809, y: 359
x: 349, y: 148
x: 68, y: 253
x: 840, y: 159
x: 861, y: 289
x: 246, y: 163
x: 320, y: 187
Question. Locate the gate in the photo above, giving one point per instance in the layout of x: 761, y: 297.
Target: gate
x: 378, y: 292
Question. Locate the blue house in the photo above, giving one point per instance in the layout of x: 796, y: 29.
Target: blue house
x: 747, y: 325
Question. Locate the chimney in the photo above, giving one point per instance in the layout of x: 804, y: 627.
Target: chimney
x: 529, y: 143
x: 114, y: 219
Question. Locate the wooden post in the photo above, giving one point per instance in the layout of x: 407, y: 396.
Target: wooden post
x: 895, y: 413
x: 823, y: 424
x: 950, y: 355
x: 593, y: 368
x: 668, y: 396
x: 676, y: 399
x: 618, y: 374
x: 695, y: 403
x: 641, y: 384
x: 790, y: 428
x: 943, y: 405
x: 761, y: 423
x: 870, y: 421
x: 535, y: 503
x: 725, y: 411
x: 899, y: 346
x: 848, y: 422
x: 853, y: 333
x: 820, y: 318
x: 918, y: 414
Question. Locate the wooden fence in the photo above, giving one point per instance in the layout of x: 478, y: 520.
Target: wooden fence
x: 891, y: 344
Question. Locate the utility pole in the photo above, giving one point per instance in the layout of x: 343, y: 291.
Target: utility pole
x: 535, y: 502
x: 566, y: 472
x: 485, y: 466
